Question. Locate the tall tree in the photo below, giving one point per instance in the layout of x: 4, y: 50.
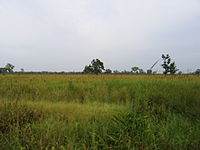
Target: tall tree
x: 95, y: 67
x: 9, y: 67
x: 168, y: 66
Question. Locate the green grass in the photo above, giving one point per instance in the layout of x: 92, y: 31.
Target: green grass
x: 99, y: 112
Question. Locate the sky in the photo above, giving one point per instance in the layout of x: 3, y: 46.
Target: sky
x: 65, y: 35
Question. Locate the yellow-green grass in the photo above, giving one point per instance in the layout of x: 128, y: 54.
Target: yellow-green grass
x: 70, y: 110
x: 99, y: 112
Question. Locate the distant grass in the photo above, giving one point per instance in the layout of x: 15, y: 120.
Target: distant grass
x: 99, y: 112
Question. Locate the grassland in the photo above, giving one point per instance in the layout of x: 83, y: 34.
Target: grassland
x: 83, y: 112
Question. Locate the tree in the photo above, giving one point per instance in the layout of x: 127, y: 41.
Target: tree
x: 197, y: 71
x: 172, y: 68
x: 168, y: 66
x: 95, y: 67
x: 135, y: 69
x: 125, y: 72
x: 108, y: 71
x: 180, y: 72
x: 116, y: 72
x: 7, y: 69
x: 3, y: 70
x: 88, y: 69
x: 149, y: 71
x: 22, y: 70
x: 141, y: 71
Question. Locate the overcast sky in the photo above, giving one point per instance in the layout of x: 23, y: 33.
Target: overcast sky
x: 65, y: 35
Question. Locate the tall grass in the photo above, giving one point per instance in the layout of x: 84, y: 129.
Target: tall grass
x: 99, y: 112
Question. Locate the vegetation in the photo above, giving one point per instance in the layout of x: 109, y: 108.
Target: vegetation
x: 168, y: 66
x: 7, y: 69
x: 99, y: 112
x: 137, y: 70
x: 108, y: 71
x: 95, y: 67
x: 197, y: 71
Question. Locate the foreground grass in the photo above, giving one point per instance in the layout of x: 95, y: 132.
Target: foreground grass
x: 41, y: 125
x: 99, y: 112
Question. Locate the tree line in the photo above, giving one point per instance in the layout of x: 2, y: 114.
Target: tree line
x: 97, y: 67
x: 169, y: 66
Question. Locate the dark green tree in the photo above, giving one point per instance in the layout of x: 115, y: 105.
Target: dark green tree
x: 3, y: 70
x: 172, y: 68
x: 168, y: 66
x: 135, y: 69
x: 9, y: 67
x: 166, y: 63
x: 149, y: 71
x: 88, y: 69
x: 108, y: 71
x: 95, y: 67
x: 197, y: 71
x: 141, y: 71
x: 180, y: 72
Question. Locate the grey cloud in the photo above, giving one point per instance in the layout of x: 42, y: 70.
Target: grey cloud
x: 67, y: 34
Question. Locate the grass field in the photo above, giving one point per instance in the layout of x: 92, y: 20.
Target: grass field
x: 72, y: 112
